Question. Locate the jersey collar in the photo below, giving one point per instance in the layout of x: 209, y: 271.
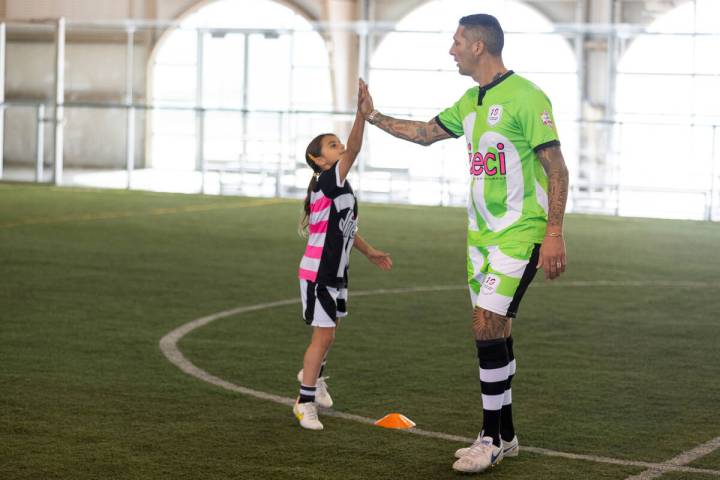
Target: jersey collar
x: 482, y: 90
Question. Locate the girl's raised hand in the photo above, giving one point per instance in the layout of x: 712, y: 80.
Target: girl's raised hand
x: 365, y: 102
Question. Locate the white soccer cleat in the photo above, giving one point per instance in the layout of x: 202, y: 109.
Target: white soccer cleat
x: 322, y: 396
x: 510, y: 449
x: 479, y: 457
x: 461, y: 452
x: 307, y: 415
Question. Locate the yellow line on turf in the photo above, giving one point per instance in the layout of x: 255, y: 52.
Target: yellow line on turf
x: 140, y: 213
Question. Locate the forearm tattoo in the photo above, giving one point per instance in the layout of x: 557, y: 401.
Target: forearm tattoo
x: 552, y: 161
x: 422, y: 133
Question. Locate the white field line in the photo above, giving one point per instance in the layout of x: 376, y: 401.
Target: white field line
x: 84, y: 217
x: 683, y: 459
x: 168, y: 345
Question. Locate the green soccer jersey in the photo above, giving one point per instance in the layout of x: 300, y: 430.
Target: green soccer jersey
x: 505, y: 123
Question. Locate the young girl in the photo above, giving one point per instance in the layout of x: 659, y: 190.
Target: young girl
x: 331, y: 221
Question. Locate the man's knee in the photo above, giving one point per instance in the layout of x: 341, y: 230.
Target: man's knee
x: 488, y: 325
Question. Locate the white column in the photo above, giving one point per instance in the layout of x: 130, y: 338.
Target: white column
x: 597, y: 167
x: 129, y: 101
x: 2, y: 96
x: 344, y: 64
x: 344, y: 53
x: 59, y: 98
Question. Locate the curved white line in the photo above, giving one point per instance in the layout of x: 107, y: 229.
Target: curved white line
x: 683, y: 458
x: 168, y: 345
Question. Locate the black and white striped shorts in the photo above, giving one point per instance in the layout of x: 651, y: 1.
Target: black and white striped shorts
x: 322, y: 305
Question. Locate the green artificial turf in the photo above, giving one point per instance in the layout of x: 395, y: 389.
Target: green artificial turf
x: 618, y: 358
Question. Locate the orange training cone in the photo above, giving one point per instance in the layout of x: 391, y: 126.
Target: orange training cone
x: 395, y: 420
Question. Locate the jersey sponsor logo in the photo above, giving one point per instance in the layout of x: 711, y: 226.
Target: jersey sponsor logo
x: 496, y: 205
x: 348, y: 227
x: 490, y: 285
x: 494, y: 114
x: 346, y: 200
x: 546, y: 119
x: 490, y: 164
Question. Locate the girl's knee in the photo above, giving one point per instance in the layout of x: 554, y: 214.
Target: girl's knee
x: 324, y: 337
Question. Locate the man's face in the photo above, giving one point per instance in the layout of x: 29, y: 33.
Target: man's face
x: 463, y: 53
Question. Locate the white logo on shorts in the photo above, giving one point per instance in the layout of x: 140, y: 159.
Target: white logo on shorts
x: 494, y: 114
x: 490, y: 285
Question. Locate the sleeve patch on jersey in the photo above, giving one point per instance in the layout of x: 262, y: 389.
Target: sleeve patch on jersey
x: 546, y: 119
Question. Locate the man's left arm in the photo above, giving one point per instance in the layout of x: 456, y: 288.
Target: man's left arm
x: 552, y: 252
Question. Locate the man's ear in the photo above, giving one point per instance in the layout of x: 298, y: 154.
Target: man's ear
x: 478, y: 47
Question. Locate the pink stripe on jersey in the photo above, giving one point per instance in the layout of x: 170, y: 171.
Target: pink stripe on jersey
x: 320, y: 204
x: 313, y: 252
x: 319, y: 227
x: 307, y: 274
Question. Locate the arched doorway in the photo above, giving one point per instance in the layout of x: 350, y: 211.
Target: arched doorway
x: 258, y: 60
x: 412, y: 74
x: 669, y: 110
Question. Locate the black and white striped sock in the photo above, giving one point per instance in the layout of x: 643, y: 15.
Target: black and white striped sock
x: 307, y: 394
x: 493, y: 357
x: 507, y: 429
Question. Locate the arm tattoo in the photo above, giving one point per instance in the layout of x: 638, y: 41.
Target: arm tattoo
x: 554, y: 164
x: 422, y: 133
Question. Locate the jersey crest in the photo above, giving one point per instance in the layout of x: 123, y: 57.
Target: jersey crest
x: 494, y: 114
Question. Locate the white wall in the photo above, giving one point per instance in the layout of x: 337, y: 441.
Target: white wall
x: 72, y: 9
x: 95, y: 66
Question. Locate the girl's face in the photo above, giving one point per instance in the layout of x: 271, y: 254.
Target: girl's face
x: 330, y: 151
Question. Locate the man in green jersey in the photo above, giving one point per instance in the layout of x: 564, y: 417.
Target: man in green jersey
x: 518, y: 190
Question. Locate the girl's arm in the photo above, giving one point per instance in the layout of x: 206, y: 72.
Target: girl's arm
x: 379, y: 258
x: 354, y: 143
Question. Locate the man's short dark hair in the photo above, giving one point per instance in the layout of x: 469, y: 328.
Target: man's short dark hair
x: 486, y: 28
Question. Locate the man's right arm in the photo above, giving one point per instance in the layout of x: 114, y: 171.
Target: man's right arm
x: 422, y: 133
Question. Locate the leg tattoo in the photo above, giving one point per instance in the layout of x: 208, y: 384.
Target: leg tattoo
x: 488, y: 325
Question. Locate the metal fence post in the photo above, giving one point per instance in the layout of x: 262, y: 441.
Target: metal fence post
x: 281, y: 157
x: 714, y: 174
x: 200, y: 162
x: 40, y: 143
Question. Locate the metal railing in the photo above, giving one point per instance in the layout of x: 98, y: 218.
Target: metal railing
x: 584, y: 194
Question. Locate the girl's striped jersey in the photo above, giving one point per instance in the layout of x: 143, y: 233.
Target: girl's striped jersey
x: 331, y: 231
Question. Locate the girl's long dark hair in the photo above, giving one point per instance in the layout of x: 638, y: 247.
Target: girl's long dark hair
x: 314, y: 148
